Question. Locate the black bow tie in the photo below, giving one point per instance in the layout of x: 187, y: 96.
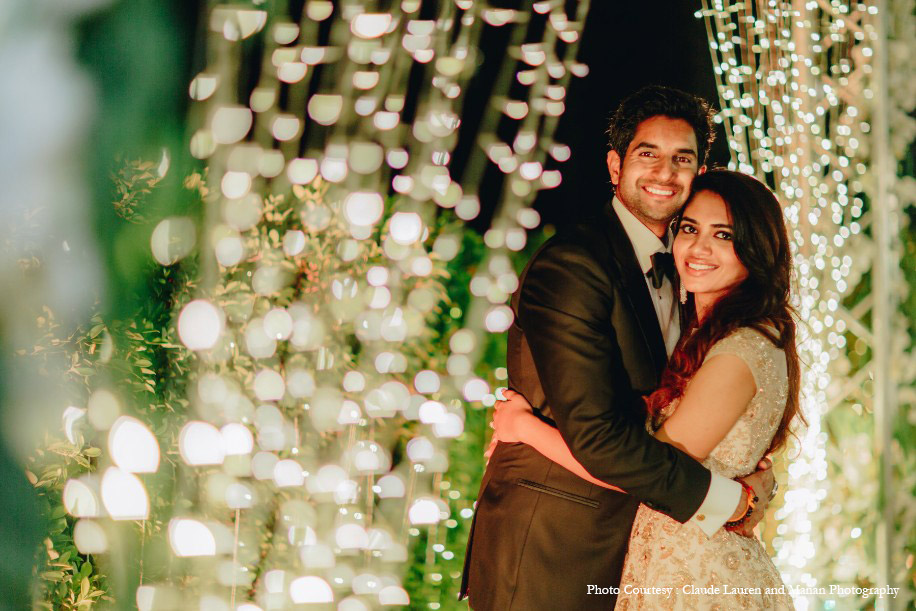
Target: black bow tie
x: 662, y: 265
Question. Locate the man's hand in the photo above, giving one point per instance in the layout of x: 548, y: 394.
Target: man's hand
x: 762, y: 482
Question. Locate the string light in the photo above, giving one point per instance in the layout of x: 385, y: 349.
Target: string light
x: 780, y: 78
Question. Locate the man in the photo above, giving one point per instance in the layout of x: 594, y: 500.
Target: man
x: 595, y: 323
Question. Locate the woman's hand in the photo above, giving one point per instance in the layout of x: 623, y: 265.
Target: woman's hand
x: 510, y: 415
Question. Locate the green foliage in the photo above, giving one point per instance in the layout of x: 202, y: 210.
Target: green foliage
x: 140, y: 359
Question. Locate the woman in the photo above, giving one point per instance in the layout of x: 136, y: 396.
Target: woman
x: 727, y: 398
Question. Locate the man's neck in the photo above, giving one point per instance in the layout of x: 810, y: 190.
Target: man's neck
x: 659, y: 228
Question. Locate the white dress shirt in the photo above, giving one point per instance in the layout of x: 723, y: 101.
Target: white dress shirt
x: 723, y: 494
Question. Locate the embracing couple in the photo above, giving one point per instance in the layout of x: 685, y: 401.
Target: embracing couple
x: 639, y: 474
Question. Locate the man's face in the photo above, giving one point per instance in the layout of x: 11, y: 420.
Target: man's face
x: 654, y: 179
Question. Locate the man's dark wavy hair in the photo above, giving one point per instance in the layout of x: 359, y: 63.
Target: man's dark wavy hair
x: 653, y: 101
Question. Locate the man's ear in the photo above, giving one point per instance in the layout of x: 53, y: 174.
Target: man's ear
x: 613, y: 166
x: 702, y: 170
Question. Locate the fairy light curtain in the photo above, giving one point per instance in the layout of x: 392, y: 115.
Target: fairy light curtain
x: 323, y: 389
x: 801, y: 96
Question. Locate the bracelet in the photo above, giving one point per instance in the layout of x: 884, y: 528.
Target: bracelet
x: 751, y: 505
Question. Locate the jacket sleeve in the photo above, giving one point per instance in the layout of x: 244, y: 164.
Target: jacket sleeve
x: 565, y: 309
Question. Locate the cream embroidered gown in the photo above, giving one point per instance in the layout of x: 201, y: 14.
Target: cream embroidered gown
x: 725, y: 571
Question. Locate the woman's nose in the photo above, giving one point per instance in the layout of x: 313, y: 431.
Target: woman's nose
x: 701, y: 245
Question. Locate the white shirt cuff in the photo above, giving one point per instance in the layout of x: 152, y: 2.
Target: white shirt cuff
x: 719, y: 505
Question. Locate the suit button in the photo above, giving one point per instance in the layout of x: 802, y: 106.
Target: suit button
x: 701, y: 517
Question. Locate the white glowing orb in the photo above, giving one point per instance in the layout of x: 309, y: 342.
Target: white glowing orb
x: 427, y: 381
x: 288, y: 473
x: 302, y: 171
x: 124, y: 495
x: 285, y: 127
x: 172, y: 240
x: 275, y: 581
x: 90, y: 537
x: 328, y: 478
x: 363, y: 207
x: 278, y: 324
x: 366, y: 583
x: 257, y: 342
x: 229, y: 250
x: 377, y: 275
x: 262, y: 465
x: 406, y: 227
x: 349, y: 413
x: 367, y: 461
x: 370, y: 25
x: 200, y: 324
x: 132, y: 446
x: 420, y: 449
x: 81, y: 499
x: 293, y: 242
x: 499, y: 319
x: 432, y: 412
x: 475, y: 389
x: 381, y: 298
x: 351, y: 536
x: 333, y: 169
x: 300, y: 383
x: 191, y: 538
x: 394, y: 326
x: 239, y: 496
x: 310, y: 589
x: 423, y: 511
x: 346, y: 492
x: 235, y: 184
x: 462, y: 341
x: 516, y: 239
x: 70, y: 416
x: 390, y: 486
x: 203, y: 86
x: 325, y: 108
x: 292, y: 72
x: 231, y: 124
x: 354, y: 381
x: 201, y: 443
x: 449, y: 427
x: 393, y: 596
x: 269, y: 385
x: 352, y: 604
x: 237, y: 439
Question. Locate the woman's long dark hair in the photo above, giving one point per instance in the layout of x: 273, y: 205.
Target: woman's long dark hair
x: 761, y: 301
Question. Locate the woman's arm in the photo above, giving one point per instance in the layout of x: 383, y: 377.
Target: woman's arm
x: 713, y: 401
x: 514, y: 421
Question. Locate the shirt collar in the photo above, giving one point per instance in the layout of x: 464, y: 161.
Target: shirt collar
x: 645, y: 242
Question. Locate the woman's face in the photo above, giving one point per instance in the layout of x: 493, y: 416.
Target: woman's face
x: 704, y: 251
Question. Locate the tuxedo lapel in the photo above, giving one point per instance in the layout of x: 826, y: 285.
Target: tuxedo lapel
x: 635, y: 289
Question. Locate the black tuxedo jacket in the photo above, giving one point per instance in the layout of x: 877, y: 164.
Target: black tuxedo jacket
x: 585, y: 346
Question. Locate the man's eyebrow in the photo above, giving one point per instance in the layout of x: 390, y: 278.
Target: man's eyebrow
x: 655, y: 147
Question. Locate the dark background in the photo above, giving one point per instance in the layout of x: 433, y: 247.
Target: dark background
x: 626, y: 45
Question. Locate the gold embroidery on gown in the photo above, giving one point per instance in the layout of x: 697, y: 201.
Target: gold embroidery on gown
x: 725, y: 571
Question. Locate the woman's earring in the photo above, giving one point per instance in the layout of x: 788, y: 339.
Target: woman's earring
x: 683, y: 293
